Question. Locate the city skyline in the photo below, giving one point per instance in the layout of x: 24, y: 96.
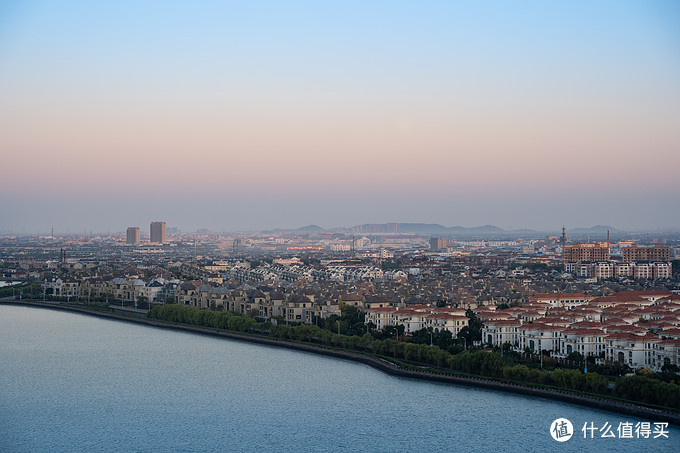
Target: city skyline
x: 234, y: 117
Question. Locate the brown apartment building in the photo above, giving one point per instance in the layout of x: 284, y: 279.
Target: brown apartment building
x: 586, y: 252
x: 133, y: 235
x: 158, y: 232
x: 656, y: 253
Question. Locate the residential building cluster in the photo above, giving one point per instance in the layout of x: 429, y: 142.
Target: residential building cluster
x: 638, y: 328
x: 275, y: 272
x: 395, y: 279
x: 262, y: 301
x: 594, y: 261
x: 119, y: 289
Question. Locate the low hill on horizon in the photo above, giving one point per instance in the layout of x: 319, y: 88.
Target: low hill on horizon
x: 436, y: 229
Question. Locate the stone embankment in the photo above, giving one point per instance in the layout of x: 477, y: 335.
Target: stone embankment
x: 385, y: 365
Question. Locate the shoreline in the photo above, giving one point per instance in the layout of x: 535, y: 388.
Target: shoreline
x: 383, y: 365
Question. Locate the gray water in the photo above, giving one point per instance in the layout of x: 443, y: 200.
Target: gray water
x: 71, y: 382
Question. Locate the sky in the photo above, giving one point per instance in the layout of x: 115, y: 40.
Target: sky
x: 254, y: 115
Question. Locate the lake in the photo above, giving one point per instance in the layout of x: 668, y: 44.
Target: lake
x: 72, y: 382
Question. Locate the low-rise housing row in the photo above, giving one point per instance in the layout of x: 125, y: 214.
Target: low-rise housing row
x: 118, y: 288
x: 292, y: 307
x: 638, y: 328
x: 418, y: 317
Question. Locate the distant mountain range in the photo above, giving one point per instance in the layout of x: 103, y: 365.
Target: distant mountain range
x: 426, y: 228
x: 304, y: 229
x: 597, y: 229
x: 485, y: 231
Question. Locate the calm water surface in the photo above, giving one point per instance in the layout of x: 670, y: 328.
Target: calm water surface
x: 72, y: 382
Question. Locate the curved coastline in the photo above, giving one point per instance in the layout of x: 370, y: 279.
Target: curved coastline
x: 385, y: 365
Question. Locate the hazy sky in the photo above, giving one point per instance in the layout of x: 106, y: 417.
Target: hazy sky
x: 260, y: 114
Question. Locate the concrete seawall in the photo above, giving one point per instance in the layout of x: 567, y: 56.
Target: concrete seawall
x: 385, y: 365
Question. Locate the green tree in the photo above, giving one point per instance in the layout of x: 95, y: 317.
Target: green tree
x: 473, y: 331
x: 444, y: 339
x: 393, y: 331
x: 422, y: 336
x: 143, y: 302
x: 576, y: 357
